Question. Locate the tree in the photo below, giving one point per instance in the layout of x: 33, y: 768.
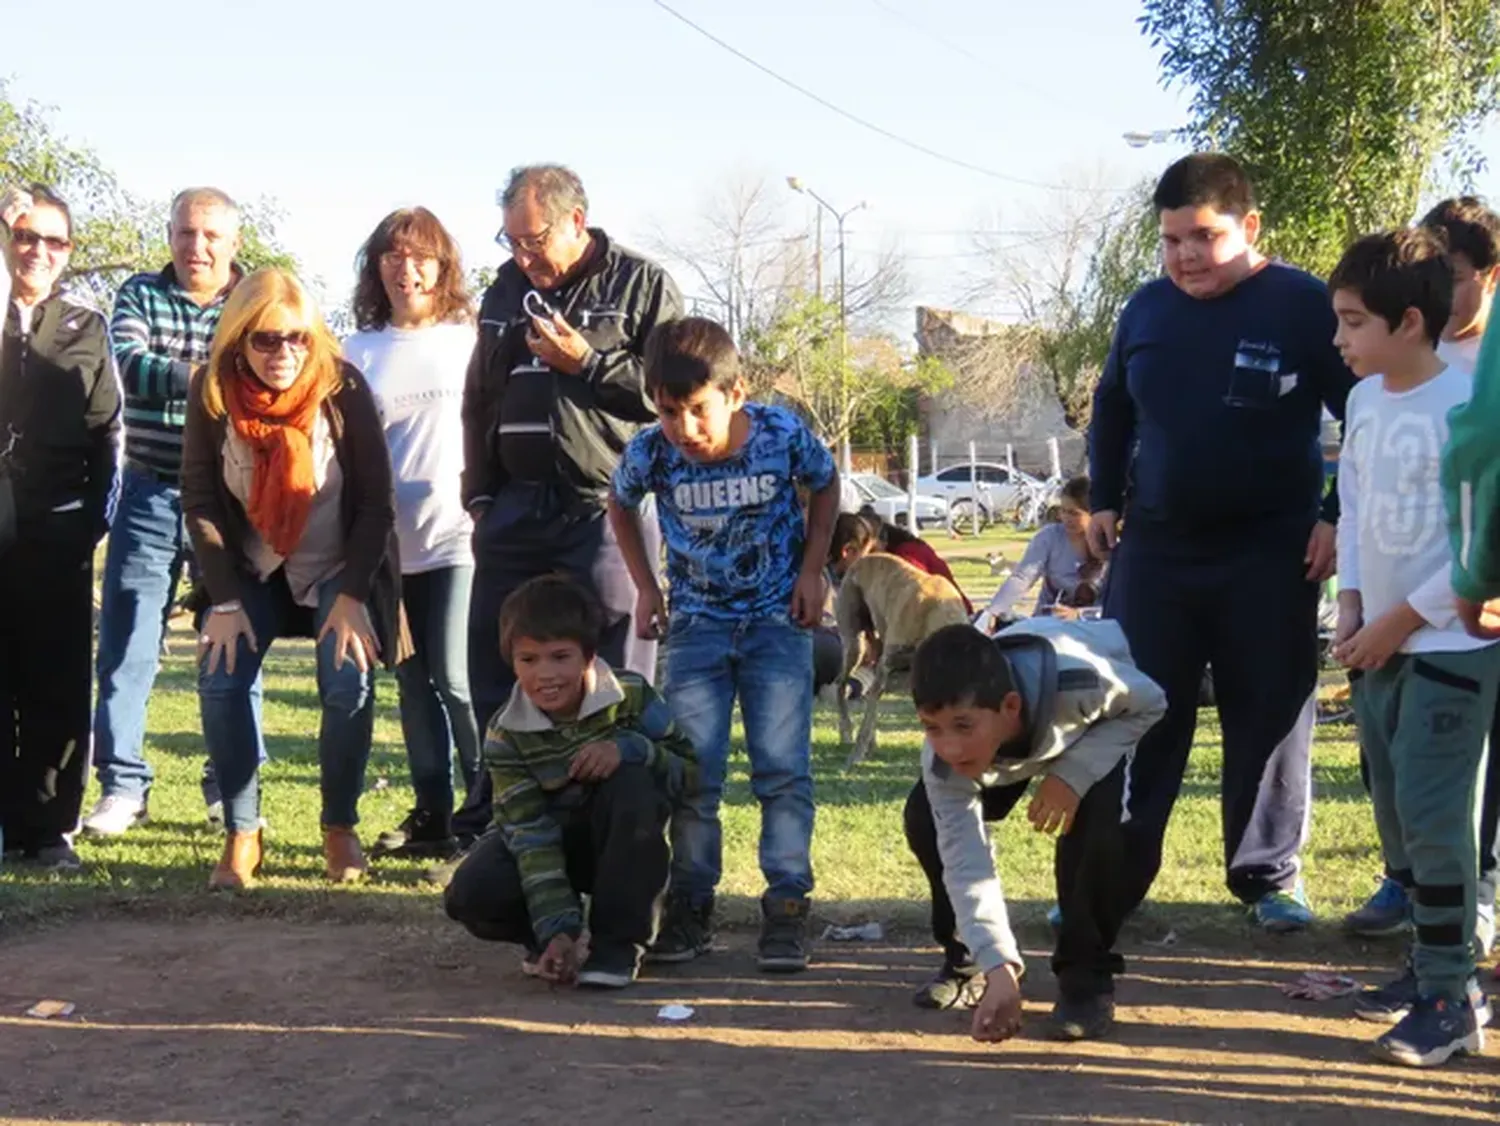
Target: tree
x: 115, y: 233
x: 752, y: 264
x: 796, y: 357
x: 1068, y: 279
x: 1341, y: 110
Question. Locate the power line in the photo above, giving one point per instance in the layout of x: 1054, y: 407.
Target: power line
x: 916, y: 146
x: 990, y: 67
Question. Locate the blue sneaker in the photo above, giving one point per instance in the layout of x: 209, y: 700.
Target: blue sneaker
x: 1393, y: 1001
x: 1433, y: 1032
x: 1054, y: 919
x: 1387, y: 912
x: 1283, y: 911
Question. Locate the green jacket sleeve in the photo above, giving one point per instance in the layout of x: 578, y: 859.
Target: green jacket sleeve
x: 1471, y: 479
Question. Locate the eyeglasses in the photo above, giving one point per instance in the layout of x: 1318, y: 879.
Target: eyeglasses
x: 269, y: 343
x: 25, y: 240
x: 531, y: 244
x: 401, y: 257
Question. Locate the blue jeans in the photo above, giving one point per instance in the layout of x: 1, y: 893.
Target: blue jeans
x: 437, y: 715
x: 232, y: 729
x: 767, y: 663
x: 148, y: 547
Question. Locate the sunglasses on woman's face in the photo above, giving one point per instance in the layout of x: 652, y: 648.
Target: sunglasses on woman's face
x: 269, y: 343
x: 25, y: 240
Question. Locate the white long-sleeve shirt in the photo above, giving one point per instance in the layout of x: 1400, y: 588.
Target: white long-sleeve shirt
x: 1393, y: 528
x: 417, y: 377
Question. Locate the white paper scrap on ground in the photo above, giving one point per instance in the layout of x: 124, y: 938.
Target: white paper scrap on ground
x: 45, y: 1009
x: 864, y: 932
x: 675, y: 1012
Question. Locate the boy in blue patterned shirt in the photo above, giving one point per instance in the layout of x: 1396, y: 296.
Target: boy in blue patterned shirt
x: 746, y: 578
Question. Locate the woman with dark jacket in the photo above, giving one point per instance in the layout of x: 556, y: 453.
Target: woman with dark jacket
x: 59, y: 463
x: 286, y: 490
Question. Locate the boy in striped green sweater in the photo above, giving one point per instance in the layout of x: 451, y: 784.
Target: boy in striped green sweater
x: 586, y: 764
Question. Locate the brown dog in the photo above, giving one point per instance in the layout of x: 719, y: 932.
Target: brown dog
x: 898, y: 606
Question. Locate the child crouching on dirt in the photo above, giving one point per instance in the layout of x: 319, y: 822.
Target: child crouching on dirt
x: 586, y: 764
x: 1050, y: 699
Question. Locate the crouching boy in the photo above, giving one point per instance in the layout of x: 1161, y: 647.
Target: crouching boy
x: 586, y: 765
x: 1050, y: 699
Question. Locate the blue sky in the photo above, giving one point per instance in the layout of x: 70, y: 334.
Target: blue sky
x: 342, y: 112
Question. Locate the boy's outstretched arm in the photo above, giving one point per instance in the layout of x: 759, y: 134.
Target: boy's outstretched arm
x: 535, y: 840
x: 650, y: 606
x: 822, y: 511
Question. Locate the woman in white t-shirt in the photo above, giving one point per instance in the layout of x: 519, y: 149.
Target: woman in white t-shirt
x: 416, y: 335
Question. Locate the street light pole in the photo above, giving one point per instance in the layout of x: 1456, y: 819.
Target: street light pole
x: 845, y: 454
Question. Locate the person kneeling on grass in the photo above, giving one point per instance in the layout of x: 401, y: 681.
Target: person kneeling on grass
x: 1058, y: 700
x: 586, y: 765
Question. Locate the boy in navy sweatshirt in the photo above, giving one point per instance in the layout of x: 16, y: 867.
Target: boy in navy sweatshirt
x: 1206, y: 440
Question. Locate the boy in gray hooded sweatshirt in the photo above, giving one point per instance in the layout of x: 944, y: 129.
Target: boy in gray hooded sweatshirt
x: 1057, y: 700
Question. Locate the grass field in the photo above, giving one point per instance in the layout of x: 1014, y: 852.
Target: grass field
x: 861, y: 863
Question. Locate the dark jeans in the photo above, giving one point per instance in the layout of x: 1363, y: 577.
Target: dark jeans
x: 1243, y: 604
x: 1087, y: 869
x: 46, y: 633
x: 532, y: 530
x: 615, y: 848
x: 437, y: 716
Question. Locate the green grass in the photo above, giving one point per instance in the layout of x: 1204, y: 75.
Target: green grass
x: 858, y: 850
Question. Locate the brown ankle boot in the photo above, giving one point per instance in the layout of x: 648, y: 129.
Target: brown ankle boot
x: 237, y: 868
x: 341, y: 851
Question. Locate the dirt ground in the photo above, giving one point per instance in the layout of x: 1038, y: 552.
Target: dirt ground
x: 265, y: 1021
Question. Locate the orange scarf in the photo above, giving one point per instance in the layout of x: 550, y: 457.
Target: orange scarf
x: 278, y: 427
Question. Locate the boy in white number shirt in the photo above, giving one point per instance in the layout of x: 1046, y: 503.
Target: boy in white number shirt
x: 1424, y: 693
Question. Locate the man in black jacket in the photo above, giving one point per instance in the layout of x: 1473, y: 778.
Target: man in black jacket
x: 554, y: 392
x: 59, y: 465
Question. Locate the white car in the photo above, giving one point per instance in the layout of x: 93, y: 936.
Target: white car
x: 999, y: 492
x: 891, y: 503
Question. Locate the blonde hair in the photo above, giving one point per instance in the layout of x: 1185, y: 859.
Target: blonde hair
x: 244, y: 312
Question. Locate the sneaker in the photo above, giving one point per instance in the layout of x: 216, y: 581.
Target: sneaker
x: 1393, y: 1001
x: 1054, y: 919
x: 686, y: 932
x: 114, y: 815
x: 609, y: 967
x: 1082, y: 1018
x: 422, y: 833
x: 953, y: 987
x: 1435, y: 1030
x: 58, y: 857
x: 783, y: 935
x: 1283, y: 911
x: 1387, y: 912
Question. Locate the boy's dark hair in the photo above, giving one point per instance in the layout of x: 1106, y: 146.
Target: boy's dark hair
x: 682, y: 356
x: 551, y: 608
x: 851, y: 529
x: 1400, y: 270
x: 1470, y: 228
x: 959, y: 666
x: 1076, y: 490
x: 1205, y: 179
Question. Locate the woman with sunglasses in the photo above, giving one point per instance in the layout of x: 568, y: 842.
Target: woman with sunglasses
x: 59, y: 461
x: 286, y: 489
x: 416, y: 336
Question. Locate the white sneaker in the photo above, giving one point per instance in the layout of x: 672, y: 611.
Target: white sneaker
x: 113, y: 815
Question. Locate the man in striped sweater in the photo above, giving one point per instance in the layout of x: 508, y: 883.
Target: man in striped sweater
x: 161, y: 329
x: 586, y: 765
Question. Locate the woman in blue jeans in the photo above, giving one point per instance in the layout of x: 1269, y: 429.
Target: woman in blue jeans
x: 286, y: 489
x: 415, y: 340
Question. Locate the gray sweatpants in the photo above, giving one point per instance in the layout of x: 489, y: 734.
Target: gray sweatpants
x: 1424, y: 721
